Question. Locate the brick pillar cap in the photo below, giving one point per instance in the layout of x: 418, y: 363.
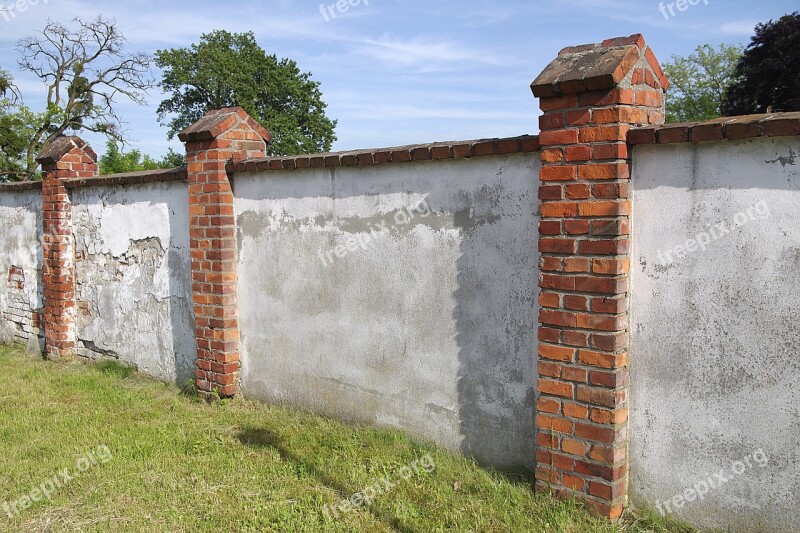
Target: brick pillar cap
x: 61, y: 146
x: 218, y: 121
x: 594, y: 67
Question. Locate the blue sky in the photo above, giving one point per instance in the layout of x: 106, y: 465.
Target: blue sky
x: 399, y: 71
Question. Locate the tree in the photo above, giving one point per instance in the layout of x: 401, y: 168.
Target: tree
x: 768, y: 74
x: 15, y: 129
x: 114, y: 161
x: 231, y: 69
x: 7, y: 88
x: 85, y: 72
x: 699, y: 82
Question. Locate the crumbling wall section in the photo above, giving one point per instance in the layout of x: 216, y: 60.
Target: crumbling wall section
x: 21, y: 262
x: 133, y: 277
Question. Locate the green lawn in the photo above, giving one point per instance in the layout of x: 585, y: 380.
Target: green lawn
x: 174, y: 463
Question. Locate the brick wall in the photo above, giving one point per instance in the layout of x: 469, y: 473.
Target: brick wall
x: 591, y: 96
x: 221, y: 137
x: 597, y: 101
x: 64, y: 158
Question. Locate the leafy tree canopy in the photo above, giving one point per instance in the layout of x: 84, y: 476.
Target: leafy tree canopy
x: 231, y: 69
x: 116, y: 162
x: 699, y: 82
x: 768, y: 74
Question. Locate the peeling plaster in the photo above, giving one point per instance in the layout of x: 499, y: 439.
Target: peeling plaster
x: 133, y: 277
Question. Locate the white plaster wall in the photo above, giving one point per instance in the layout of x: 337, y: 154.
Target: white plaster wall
x: 428, y: 326
x: 134, y: 277
x: 20, y: 260
x: 715, y: 371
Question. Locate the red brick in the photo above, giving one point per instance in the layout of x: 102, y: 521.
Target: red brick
x: 563, y: 283
x: 577, y: 191
x: 611, y: 266
x: 601, y: 285
x: 557, y: 173
x: 576, y: 303
x: 604, y: 209
x: 611, y: 191
x: 549, y: 369
x: 559, y: 209
x: 558, y: 102
x: 578, y: 153
x: 547, y: 405
x: 604, y: 247
x: 556, y: 388
x: 556, y: 353
x: 574, y: 447
x: 578, y: 117
x: 557, y: 246
x: 558, y: 318
x: 546, y: 334
x: 573, y: 482
x: 552, y: 264
x: 549, y: 299
x: 603, y: 133
x: 579, y: 339
x: 576, y: 264
x: 558, y: 137
x: 550, y: 192
x: 551, y: 423
x: 552, y: 155
x: 550, y: 227
x: 604, y: 171
x: 551, y: 121
x: 610, y: 151
x: 576, y: 227
x: 602, y: 360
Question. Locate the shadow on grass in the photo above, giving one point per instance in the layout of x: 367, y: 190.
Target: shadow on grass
x: 265, y: 439
x: 114, y: 368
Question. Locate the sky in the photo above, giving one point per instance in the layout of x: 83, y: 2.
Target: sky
x: 395, y: 72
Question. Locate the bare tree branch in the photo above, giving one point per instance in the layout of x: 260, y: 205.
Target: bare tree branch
x: 84, y: 69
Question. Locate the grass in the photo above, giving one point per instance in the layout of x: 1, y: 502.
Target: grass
x: 179, y: 464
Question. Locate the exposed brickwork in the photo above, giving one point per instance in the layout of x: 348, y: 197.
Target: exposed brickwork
x: 401, y: 154
x: 65, y: 158
x: 220, y: 138
x: 591, y: 97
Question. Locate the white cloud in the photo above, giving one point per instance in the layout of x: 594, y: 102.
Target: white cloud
x: 741, y: 28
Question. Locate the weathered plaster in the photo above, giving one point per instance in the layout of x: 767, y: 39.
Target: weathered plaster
x: 428, y: 325
x: 21, y: 261
x: 133, y: 277
x: 714, y: 366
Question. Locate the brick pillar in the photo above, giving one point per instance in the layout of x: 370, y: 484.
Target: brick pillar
x: 62, y: 159
x: 591, y: 96
x: 221, y: 137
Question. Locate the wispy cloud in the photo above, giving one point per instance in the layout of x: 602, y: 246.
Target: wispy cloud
x: 743, y: 28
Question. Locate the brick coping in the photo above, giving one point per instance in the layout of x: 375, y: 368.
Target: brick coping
x: 17, y: 186
x: 400, y: 154
x: 129, y: 178
x: 732, y: 128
